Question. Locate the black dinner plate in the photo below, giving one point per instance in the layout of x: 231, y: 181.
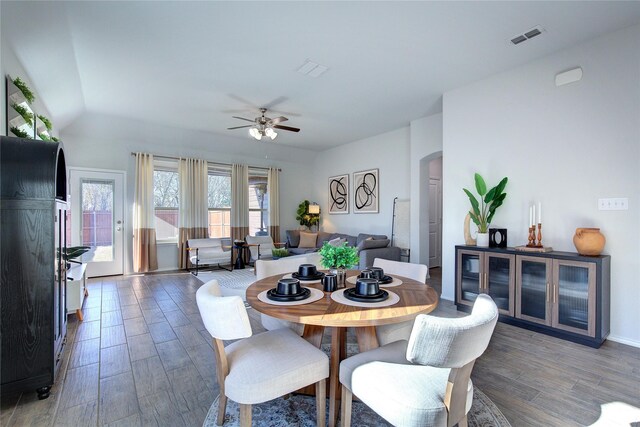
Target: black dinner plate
x: 385, y: 280
x: 318, y: 276
x: 275, y: 296
x: 350, y: 293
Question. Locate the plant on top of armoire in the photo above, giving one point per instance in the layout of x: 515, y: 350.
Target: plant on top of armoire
x: 482, y: 212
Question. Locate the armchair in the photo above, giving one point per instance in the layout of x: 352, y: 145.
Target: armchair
x: 425, y: 381
x: 260, y: 247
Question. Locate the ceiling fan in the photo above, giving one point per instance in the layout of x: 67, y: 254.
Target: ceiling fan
x: 264, y: 126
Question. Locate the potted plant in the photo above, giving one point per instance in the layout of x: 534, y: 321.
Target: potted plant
x: 339, y: 258
x: 482, y: 212
x: 304, y: 217
x: 278, y: 253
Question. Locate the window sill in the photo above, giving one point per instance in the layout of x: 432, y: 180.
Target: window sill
x: 166, y: 241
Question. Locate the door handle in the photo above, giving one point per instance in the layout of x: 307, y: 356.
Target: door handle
x: 119, y: 222
x: 118, y: 228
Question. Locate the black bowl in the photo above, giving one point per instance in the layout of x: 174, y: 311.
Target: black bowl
x: 366, y: 274
x: 377, y: 273
x: 288, y: 287
x: 307, y: 270
x: 367, y: 287
x: 273, y: 295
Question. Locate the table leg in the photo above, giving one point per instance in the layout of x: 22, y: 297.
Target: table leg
x: 337, y: 338
x: 367, y: 338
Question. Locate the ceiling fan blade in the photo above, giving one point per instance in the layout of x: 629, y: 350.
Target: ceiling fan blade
x: 278, y: 120
x: 242, y: 118
x: 240, y: 127
x: 289, y: 128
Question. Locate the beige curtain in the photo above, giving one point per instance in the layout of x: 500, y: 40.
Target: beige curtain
x: 239, y: 202
x: 145, y: 256
x: 273, y: 189
x: 194, y: 210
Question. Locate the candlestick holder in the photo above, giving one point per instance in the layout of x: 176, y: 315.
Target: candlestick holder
x: 535, y: 241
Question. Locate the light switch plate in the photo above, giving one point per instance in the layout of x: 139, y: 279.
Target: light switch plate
x: 615, y: 204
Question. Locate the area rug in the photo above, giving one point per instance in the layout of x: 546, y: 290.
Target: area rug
x: 233, y: 282
x: 300, y: 411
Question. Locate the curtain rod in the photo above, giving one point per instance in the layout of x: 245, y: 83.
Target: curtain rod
x: 208, y: 161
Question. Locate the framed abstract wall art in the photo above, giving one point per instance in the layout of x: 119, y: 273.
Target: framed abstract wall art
x: 366, y: 191
x: 339, y: 194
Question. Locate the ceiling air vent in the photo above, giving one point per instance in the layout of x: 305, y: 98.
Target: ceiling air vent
x: 528, y: 35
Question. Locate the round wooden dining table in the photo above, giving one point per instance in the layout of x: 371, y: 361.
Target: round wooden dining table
x: 415, y: 298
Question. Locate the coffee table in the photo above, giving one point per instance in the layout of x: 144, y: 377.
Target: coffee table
x: 415, y: 298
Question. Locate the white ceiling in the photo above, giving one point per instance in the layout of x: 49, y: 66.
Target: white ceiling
x: 195, y: 64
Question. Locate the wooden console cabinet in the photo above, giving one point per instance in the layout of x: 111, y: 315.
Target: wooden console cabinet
x: 558, y: 293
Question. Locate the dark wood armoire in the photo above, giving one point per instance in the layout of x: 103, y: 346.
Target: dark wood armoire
x: 33, y: 191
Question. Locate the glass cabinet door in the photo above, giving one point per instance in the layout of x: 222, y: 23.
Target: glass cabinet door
x: 499, y: 282
x: 468, y: 280
x: 574, y: 296
x: 533, y: 289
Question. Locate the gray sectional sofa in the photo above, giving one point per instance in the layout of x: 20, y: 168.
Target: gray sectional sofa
x: 370, y: 246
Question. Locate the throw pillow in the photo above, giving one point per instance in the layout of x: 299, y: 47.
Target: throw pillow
x: 373, y: 244
x: 337, y: 241
x: 307, y: 240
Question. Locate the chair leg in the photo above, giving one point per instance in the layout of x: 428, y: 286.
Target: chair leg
x: 245, y: 415
x: 463, y: 422
x: 321, y: 402
x: 345, y: 414
x: 222, y: 409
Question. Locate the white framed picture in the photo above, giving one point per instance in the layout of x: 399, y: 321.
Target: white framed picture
x: 339, y: 194
x: 366, y: 187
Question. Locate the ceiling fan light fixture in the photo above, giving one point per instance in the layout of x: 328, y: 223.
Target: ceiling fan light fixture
x: 255, y: 133
x: 270, y: 133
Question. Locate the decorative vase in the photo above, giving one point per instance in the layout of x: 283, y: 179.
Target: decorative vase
x: 482, y: 240
x: 341, y: 275
x: 589, y: 241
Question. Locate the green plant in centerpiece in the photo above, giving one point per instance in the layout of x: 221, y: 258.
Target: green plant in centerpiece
x: 19, y: 132
x: 26, y: 91
x: 482, y: 212
x: 26, y: 114
x: 304, y: 217
x: 43, y: 136
x: 45, y: 120
x: 280, y: 252
x: 54, y: 139
x: 343, y: 256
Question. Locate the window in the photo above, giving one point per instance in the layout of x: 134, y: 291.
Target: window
x: 166, y: 189
x: 258, y: 203
x: 219, y: 203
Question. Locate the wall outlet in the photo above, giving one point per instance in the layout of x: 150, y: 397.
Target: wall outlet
x: 616, y: 204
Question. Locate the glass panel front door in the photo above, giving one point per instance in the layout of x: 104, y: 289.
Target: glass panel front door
x: 97, y: 223
x: 533, y: 289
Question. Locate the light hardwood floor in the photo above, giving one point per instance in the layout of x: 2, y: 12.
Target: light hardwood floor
x: 142, y: 357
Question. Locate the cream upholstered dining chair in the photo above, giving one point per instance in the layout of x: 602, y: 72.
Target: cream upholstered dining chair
x: 261, y: 367
x: 419, y: 272
x: 279, y: 266
x: 425, y: 381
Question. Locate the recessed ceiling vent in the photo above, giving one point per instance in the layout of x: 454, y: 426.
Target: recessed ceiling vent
x: 528, y: 35
x: 312, y: 69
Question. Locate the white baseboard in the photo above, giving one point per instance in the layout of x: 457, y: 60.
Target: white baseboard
x: 632, y: 343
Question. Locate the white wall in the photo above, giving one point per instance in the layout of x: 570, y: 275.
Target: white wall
x: 106, y: 142
x: 426, y: 144
x: 563, y: 146
x: 389, y: 152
